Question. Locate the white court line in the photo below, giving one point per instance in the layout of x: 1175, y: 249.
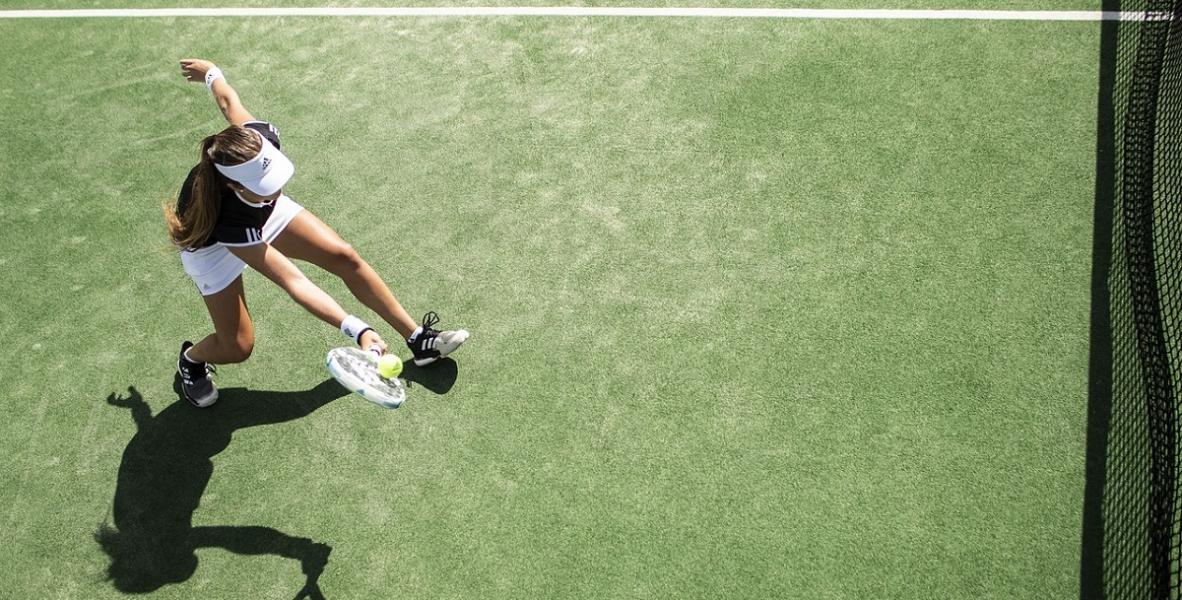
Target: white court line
x: 587, y: 11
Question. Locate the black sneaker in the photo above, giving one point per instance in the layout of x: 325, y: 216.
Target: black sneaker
x: 431, y: 345
x: 195, y: 382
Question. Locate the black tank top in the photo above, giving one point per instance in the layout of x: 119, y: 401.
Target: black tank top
x: 239, y: 223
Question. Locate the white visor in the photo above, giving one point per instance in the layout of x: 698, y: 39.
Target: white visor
x: 264, y: 174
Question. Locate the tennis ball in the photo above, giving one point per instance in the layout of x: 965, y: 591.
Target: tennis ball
x: 389, y: 366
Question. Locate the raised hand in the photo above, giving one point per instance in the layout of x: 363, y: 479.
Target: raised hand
x: 194, y: 69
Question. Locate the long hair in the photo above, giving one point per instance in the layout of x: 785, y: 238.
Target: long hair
x: 233, y: 145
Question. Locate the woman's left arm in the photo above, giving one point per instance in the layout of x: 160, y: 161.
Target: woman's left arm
x: 196, y: 69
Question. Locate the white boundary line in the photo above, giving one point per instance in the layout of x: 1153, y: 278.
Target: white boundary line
x: 585, y: 11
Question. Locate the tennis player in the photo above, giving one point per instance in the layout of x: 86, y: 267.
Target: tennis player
x: 232, y: 213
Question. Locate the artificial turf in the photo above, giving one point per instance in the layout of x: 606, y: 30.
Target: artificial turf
x: 760, y: 308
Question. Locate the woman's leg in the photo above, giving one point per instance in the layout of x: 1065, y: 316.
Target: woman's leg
x: 307, y: 238
x: 232, y: 339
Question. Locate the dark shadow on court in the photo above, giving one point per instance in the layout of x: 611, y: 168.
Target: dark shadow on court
x: 166, y: 467
x: 1129, y: 541
x: 438, y: 376
x: 1091, y: 568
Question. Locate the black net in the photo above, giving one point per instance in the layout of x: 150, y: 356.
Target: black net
x: 1133, y: 509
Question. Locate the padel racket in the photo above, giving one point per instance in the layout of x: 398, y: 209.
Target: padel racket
x: 357, y: 370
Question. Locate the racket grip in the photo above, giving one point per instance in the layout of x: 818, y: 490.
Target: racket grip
x: 376, y: 349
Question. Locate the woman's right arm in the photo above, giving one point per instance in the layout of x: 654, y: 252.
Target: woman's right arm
x: 278, y: 268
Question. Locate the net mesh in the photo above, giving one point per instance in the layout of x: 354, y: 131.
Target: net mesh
x: 1137, y: 542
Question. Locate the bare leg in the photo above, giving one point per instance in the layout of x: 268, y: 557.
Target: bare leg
x: 307, y: 238
x: 232, y: 339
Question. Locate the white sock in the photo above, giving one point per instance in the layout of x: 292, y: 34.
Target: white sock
x: 414, y: 335
x: 188, y: 358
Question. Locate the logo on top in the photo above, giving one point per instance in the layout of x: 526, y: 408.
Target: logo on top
x: 266, y: 161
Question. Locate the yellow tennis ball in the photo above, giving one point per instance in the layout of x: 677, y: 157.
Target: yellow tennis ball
x: 389, y: 366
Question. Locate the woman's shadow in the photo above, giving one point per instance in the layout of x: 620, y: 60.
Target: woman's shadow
x: 165, y: 469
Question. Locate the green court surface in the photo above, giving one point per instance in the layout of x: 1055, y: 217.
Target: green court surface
x: 760, y: 308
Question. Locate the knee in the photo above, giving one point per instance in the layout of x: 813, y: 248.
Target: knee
x: 343, y: 260
x: 239, y: 348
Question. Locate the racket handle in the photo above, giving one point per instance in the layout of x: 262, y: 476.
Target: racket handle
x: 376, y: 349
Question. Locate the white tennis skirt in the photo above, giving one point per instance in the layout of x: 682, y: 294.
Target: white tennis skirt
x: 213, y: 268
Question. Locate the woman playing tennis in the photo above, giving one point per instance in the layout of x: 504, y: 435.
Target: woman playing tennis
x: 231, y: 212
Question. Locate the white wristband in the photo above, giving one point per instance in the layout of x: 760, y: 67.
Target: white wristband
x: 211, y: 76
x: 354, y: 327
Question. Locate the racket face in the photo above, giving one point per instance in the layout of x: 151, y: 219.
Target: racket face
x: 357, y: 370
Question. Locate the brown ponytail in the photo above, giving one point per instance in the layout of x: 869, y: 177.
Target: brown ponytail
x: 232, y: 146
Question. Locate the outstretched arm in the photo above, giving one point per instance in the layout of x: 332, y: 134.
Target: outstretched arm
x: 195, y: 69
x: 278, y: 268
x: 251, y: 408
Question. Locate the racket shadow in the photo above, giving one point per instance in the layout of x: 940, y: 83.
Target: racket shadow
x: 439, y: 376
x: 164, y: 472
